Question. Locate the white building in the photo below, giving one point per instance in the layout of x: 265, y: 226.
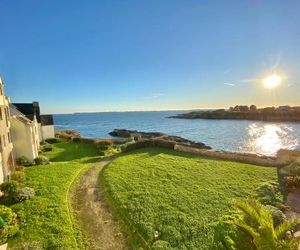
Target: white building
x: 25, y: 135
x: 6, y: 146
x: 45, y: 122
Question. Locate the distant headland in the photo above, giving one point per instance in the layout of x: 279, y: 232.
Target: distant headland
x: 242, y: 112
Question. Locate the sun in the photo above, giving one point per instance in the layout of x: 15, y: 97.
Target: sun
x: 272, y: 81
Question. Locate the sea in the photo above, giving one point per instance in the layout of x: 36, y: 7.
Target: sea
x: 264, y: 138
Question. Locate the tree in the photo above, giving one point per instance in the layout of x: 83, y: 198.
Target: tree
x: 254, y: 229
x: 253, y: 108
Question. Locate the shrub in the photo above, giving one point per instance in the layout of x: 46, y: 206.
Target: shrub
x: 10, y: 188
x: 52, y: 140
x: 83, y: 140
x: 25, y: 193
x: 297, y: 181
x: 161, y: 245
x: 18, y: 177
x: 292, y: 169
x: 268, y: 193
x: 33, y: 245
x: 41, y: 160
x: 23, y: 161
x: 101, y: 153
x: 76, y: 139
x: 9, y: 226
x: 277, y: 215
x: 289, y: 181
x: 47, y: 148
x: 19, y: 168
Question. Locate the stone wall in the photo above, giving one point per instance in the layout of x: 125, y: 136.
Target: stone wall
x: 285, y: 156
x: 232, y: 156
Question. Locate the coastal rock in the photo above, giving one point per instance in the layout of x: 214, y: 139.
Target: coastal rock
x: 137, y: 135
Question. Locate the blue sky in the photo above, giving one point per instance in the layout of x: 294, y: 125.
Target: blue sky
x: 149, y: 55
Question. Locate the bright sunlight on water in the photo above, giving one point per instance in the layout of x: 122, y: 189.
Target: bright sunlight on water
x: 269, y: 138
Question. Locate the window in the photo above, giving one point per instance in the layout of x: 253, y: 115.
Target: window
x: 1, y: 114
x: 8, y: 137
x: 0, y: 143
x: 6, y: 116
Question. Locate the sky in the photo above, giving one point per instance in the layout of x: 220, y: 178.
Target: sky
x: 116, y: 55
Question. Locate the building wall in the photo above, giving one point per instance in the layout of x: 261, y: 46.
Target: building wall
x: 48, y: 132
x: 6, y: 159
x: 24, y: 139
x: 1, y: 170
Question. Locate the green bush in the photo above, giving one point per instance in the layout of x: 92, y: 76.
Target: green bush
x: 277, y: 215
x: 101, y: 153
x: 18, y: 176
x: 47, y: 148
x: 76, y: 139
x: 10, y: 188
x: 23, y: 161
x: 52, y: 140
x: 292, y: 169
x: 25, y: 193
x: 83, y: 140
x: 268, y: 193
x: 161, y: 245
x: 9, y: 226
x: 32, y: 245
x: 297, y: 181
x: 41, y: 160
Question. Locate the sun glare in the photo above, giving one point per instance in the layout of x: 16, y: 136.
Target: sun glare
x: 272, y: 81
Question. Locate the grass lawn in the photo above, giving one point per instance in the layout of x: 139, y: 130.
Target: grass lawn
x: 178, y: 195
x: 46, y: 218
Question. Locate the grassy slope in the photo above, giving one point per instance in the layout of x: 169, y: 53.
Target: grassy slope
x: 179, y: 195
x: 46, y: 218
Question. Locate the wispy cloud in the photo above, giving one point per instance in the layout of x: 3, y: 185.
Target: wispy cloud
x: 156, y: 95
x: 249, y: 80
x: 229, y: 84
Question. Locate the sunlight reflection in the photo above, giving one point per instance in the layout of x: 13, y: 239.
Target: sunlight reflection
x: 269, y: 138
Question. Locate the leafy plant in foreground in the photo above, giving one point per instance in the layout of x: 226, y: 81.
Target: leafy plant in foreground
x: 254, y: 228
x: 8, y: 224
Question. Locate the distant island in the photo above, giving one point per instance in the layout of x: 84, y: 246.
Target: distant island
x: 242, y: 112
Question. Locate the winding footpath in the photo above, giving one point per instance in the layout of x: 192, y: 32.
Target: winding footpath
x: 92, y: 214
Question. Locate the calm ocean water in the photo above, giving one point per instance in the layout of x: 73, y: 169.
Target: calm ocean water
x: 234, y: 135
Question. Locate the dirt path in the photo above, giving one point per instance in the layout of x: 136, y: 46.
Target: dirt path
x: 92, y: 214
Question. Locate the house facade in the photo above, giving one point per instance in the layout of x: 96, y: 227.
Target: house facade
x: 25, y: 135
x: 44, y: 122
x: 6, y: 146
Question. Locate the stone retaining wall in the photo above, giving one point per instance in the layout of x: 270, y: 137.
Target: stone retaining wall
x: 239, y: 157
x: 285, y: 156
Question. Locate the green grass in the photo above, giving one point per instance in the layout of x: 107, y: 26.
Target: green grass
x: 179, y: 195
x: 46, y: 218
x: 68, y: 151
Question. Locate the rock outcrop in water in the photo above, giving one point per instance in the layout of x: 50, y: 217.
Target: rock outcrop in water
x: 282, y: 113
x: 136, y: 135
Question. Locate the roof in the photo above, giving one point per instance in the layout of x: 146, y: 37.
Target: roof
x: 14, y: 112
x: 29, y: 110
x: 47, y: 120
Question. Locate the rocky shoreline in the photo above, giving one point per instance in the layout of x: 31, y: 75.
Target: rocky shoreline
x: 282, y: 113
x: 138, y: 136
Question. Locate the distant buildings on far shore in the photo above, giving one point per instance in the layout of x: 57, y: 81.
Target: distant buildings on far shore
x: 22, y: 129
